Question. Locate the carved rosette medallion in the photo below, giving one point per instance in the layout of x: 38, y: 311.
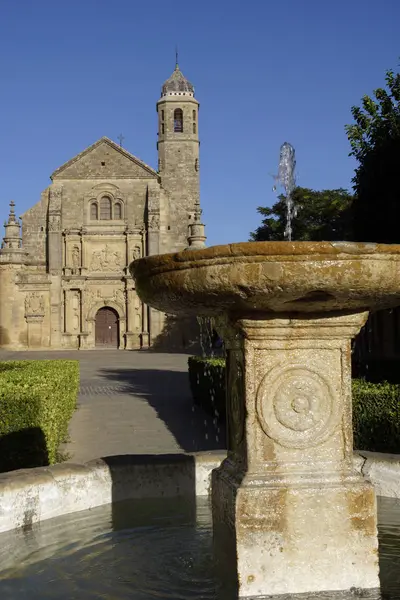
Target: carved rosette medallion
x: 297, y: 407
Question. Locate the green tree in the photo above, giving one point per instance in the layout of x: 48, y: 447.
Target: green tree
x: 375, y: 143
x: 322, y: 216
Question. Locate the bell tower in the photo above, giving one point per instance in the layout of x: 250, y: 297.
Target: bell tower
x: 178, y: 155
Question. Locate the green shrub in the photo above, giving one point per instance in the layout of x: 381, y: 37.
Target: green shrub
x: 376, y: 416
x: 207, y: 383
x: 37, y: 399
x: 376, y: 406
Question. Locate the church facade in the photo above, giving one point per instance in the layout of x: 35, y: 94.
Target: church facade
x: 65, y: 283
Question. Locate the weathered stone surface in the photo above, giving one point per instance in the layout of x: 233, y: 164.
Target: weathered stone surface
x: 272, y: 276
x: 291, y: 513
x: 383, y: 470
x: 301, y: 518
x: 103, y: 160
x: 32, y: 495
x: 76, y: 254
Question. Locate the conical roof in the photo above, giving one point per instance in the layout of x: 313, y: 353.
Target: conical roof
x: 177, y: 84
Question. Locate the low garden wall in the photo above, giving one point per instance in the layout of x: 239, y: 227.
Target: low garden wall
x: 29, y: 496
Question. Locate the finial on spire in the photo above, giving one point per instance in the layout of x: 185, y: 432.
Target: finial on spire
x: 11, y: 216
x: 176, y: 57
x: 197, y: 236
x: 197, y: 212
x: 12, y: 240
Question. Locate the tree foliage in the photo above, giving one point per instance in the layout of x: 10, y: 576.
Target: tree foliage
x: 322, y: 216
x: 375, y: 143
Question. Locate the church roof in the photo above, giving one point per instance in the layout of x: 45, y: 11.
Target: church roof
x: 177, y: 83
x: 114, y: 146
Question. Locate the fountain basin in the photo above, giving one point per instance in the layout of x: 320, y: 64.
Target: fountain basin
x: 272, y: 277
x: 290, y: 513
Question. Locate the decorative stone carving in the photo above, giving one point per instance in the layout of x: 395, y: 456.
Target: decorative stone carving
x: 75, y: 308
x: 136, y: 253
x: 297, y: 406
x: 154, y: 222
x: 76, y: 257
x: 106, y: 260
x: 120, y: 297
x: 34, y: 304
x: 93, y: 296
x: 138, y: 313
x: 56, y: 197
x: 54, y: 222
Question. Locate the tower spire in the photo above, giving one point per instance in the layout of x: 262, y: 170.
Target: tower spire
x: 11, y: 248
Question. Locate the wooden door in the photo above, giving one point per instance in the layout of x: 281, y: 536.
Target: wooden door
x: 107, y: 328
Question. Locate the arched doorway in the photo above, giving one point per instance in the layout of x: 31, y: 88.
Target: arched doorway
x: 106, y: 327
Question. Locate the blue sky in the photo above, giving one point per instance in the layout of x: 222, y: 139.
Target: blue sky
x: 265, y: 72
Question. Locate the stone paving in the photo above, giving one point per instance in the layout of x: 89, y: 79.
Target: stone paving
x: 132, y: 403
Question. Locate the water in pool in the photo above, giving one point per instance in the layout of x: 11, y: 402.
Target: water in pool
x: 140, y: 550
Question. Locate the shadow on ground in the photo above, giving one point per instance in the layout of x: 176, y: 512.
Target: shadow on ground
x: 168, y: 393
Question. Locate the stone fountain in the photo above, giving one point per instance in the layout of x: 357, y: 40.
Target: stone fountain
x: 293, y: 515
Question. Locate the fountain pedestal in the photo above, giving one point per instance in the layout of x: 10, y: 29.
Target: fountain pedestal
x: 287, y: 499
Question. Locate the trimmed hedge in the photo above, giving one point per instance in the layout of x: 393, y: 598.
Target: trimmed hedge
x: 376, y: 406
x: 37, y: 400
x: 376, y: 416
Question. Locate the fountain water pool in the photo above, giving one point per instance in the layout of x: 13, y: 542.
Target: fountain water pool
x: 290, y: 513
x: 142, y: 549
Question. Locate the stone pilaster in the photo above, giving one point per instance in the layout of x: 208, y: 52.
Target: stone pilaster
x: 54, y: 236
x: 145, y: 326
x: 287, y: 501
x: 133, y: 336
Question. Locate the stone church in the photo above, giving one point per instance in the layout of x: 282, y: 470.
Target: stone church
x: 65, y: 282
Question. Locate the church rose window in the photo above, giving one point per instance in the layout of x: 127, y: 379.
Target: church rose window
x: 117, y: 211
x: 178, y: 120
x: 105, y: 208
x: 94, y: 213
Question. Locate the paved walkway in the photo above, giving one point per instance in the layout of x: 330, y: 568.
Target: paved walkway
x: 132, y: 403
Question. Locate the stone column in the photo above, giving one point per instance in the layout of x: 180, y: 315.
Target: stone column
x: 145, y: 326
x: 133, y: 333
x: 83, y: 268
x: 290, y: 513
